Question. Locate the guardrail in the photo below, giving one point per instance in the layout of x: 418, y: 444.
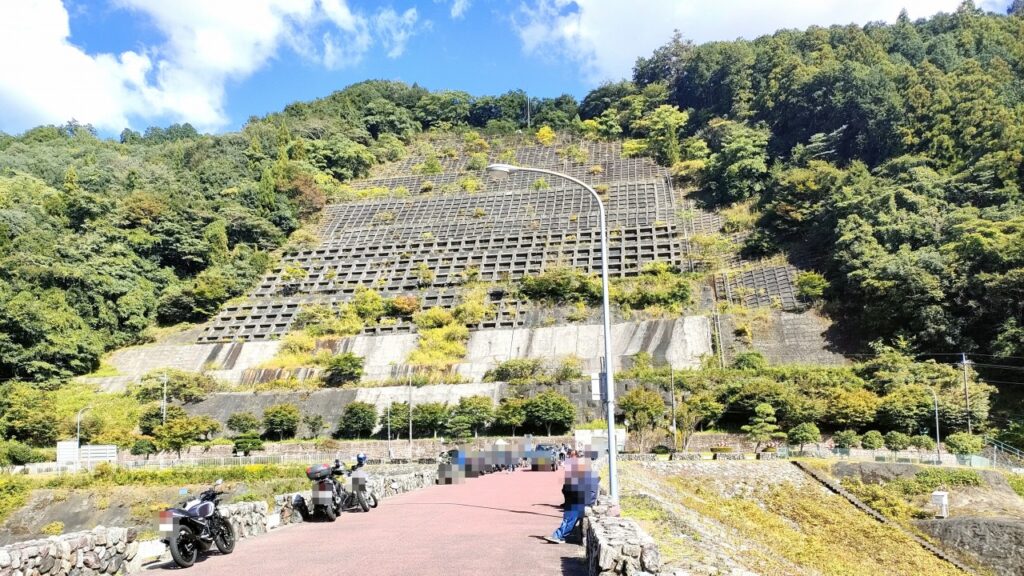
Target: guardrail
x: 161, y: 463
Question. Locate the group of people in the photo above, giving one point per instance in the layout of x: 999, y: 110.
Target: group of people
x: 580, y: 488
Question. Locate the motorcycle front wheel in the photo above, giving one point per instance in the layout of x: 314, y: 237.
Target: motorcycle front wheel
x: 371, y: 500
x: 184, y: 547
x: 361, y: 500
x: 223, y: 535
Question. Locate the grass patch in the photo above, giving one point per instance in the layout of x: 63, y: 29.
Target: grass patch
x: 903, y: 499
x: 13, y: 494
x: 1016, y: 481
x: 814, y: 531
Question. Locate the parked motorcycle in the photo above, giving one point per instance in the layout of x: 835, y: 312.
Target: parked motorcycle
x: 327, y: 500
x: 196, y: 525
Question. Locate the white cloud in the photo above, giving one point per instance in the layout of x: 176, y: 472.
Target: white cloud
x: 459, y: 8
x: 46, y: 78
x: 605, y: 38
x: 395, y: 30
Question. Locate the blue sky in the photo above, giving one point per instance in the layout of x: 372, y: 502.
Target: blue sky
x: 137, y: 63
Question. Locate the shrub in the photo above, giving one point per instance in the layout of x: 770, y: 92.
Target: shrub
x: 368, y: 304
x: 811, y: 286
x: 845, y: 439
x: 721, y: 449
x: 403, y: 305
x: 872, y: 440
x: 344, y: 368
x: 299, y: 342
x: 896, y: 441
x: 477, y: 162
x: 964, y: 444
x: 540, y: 184
x: 516, y: 370
x: 248, y: 443
x: 53, y: 529
x: 568, y: 369
x: 243, y: 422
x: 435, y: 317
x: 546, y: 136
x: 752, y: 360
x: 314, y: 423
x: 562, y: 284
x: 181, y: 385
x: 17, y: 454
x: 281, y: 419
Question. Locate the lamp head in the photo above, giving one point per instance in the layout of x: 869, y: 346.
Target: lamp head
x: 500, y: 171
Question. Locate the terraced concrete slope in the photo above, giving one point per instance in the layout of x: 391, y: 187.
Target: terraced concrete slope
x: 426, y: 235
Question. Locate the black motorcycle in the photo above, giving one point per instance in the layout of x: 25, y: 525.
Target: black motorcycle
x: 195, y: 526
x: 330, y: 497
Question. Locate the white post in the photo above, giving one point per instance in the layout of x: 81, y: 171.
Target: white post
x: 613, y: 478
x: 938, y: 444
x: 163, y: 404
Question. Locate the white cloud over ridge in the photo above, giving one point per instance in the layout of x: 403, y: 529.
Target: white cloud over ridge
x: 45, y: 78
x: 606, y: 37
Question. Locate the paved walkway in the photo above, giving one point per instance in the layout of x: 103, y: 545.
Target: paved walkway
x: 487, y: 525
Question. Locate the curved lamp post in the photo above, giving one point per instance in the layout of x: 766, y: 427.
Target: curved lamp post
x: 78, y: 438
x: 609, y: 383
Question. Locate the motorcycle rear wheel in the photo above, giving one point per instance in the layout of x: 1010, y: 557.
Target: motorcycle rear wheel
x: 223, y: 536
x: 184, y: 547
x: 330, y: 513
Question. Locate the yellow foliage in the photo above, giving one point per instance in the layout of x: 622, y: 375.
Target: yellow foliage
x: 546, y: 136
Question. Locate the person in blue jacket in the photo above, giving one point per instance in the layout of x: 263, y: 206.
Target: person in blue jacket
x: 581, y: 485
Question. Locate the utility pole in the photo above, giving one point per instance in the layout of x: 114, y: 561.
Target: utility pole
x: 163, y: 404
x: 672, y: 388
x: 967, y: 398
x: 389, y: 431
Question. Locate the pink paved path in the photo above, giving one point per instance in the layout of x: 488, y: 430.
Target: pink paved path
x: 487, y: 525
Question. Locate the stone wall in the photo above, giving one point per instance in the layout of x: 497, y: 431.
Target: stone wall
x: 616, y: 545
x: 997, y: 543
x: 247, y: 518
x: 99, y: 551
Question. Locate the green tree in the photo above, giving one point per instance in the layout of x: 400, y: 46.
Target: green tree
x: 964, y: 444
x: 811, y: 286
x: 896, y: 441
x: 429, y: 418
x: 281, y: 419
x: 511, y: 413
x: 476, y: 411
x: 153, y: 416
x: 314, y: 424
x: 845, y: 439
x: 144, y: 447
x: 244, y: 423
x: 344, y: 368
x: 550, y: 410
x: 399, y: 415
x: 805, y: 433
x: 182, y: 386
x: 358, y: 420
x: 662, y: 126
x: 177, y: 435
x: 763, y: 427
x: 644, y: 410
x: 872, y: 440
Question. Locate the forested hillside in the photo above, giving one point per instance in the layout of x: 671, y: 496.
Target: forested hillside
x: 888, y: 157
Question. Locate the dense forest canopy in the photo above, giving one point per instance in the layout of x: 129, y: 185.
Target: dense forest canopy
x: 888, y: 157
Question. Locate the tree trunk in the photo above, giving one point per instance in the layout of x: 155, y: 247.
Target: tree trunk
x: 549, y: 429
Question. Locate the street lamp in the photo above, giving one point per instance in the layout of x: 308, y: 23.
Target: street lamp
x: 609, y: 382
x: 78, y: 438
x: 938, y: 455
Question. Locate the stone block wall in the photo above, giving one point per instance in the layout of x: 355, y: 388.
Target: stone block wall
x: 617, y: 545
x: 247, y: 518
x: 99, y: 551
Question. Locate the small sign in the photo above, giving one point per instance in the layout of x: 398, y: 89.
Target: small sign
x: 596, y: 390
x: 941, y: 501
